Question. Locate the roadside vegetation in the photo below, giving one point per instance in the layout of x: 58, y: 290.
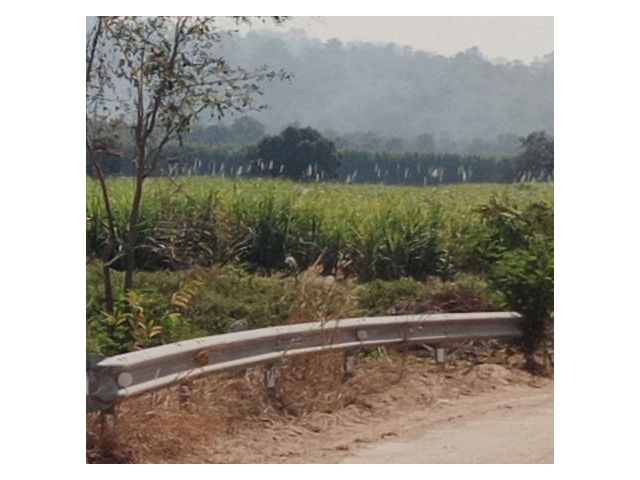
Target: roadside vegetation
x: 217, y: 251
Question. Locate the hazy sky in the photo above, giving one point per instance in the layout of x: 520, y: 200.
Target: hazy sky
x: 522, y: 38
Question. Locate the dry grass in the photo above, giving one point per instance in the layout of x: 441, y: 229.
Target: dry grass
x: 232, y: 417
x: 153, y: 428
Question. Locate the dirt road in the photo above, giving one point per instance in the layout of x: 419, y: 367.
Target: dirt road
x: 517, y: 428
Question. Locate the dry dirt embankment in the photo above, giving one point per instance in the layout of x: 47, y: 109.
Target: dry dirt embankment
x: 391, y: 405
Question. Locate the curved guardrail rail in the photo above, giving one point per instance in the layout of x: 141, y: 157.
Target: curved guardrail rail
x: 129, y: 374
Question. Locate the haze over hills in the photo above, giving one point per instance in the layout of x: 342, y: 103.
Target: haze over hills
x: 396, y: 91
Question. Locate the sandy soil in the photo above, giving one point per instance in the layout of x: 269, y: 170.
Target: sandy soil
x: 514, y: 425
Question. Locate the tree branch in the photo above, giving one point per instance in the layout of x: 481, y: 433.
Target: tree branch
x: 94, y: 45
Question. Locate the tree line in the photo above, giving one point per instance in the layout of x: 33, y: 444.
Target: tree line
x: 247, y: 130
x: 305, y: 154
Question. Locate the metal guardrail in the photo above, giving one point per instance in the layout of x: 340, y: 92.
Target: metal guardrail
x: 129, y: 374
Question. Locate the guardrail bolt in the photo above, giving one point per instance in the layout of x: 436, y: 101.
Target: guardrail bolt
x: 350, y: 359
x: 271, y: 380
x: 441, y: 357
x: 184, y: 395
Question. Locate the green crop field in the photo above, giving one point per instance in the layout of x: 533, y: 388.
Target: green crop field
x: 260, y: 222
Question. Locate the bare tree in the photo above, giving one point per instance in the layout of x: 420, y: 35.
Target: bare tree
x: 100, y: 138
x: 156, y: 76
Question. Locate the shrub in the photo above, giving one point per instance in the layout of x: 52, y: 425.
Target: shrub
x: 525, y: 278
x: 507, y: 227
x: 131, y: 327
x: 379, y: 295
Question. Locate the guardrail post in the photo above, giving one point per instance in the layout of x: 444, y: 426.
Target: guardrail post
x: 108, y: 419
x: 441, y: 357
x: 102, y: 389
x: 350, y: 360
x: 184, y: 395
x: 271, y: 380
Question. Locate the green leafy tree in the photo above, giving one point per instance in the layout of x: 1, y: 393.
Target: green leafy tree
x: 298, y: 153
x: 157, y: 75
x: 536, y: 160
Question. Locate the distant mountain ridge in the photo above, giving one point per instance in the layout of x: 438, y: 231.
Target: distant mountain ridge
x: 396, y: 91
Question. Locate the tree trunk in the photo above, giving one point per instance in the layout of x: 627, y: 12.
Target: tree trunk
x: 534, y: 332
x: 108, y: 289
x: 111, y: 236
x: 132, y: 234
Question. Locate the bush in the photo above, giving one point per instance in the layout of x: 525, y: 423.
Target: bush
x: 131, y: 327
x: 172, y: 306
x: 516, y: 249
x: 507, y: 227
x: 378, y: 296
x: 525, y: 278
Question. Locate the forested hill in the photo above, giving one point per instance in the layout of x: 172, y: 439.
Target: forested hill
x: 394, y: 90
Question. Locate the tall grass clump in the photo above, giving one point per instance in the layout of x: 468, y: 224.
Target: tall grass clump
x: 391, y: 244
x: 263, y: 235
